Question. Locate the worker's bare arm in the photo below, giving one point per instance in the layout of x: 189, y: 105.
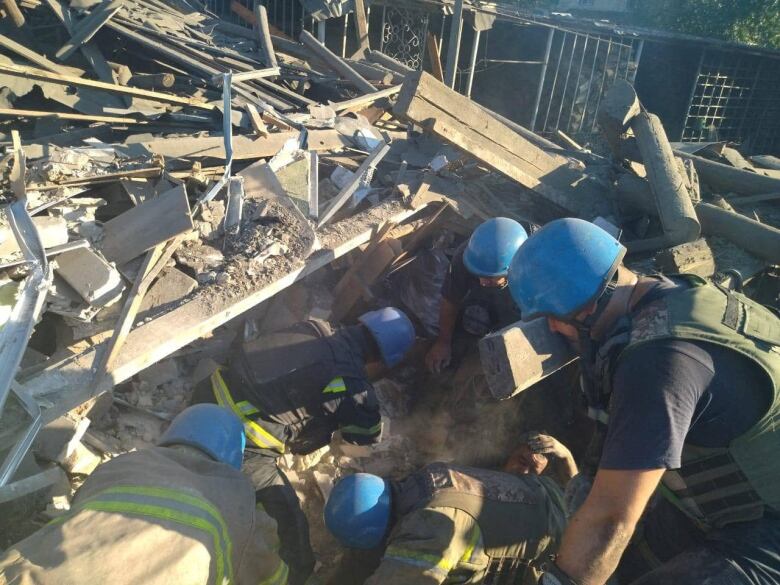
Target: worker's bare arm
x: 598, y: 533
x: 439, y: 355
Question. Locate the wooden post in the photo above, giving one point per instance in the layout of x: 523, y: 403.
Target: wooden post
x: 435, y: 58
x: 361, y: 28
x: 12, y: 8
x: 261, y: 14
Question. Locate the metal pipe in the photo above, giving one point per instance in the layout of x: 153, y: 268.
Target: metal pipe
x: 474, y: 50
x: 555, y: 81
x: 321, y: 31
x: 344, y: 36
x: 601, y: 88
x: 566, y: 83
x: 638, y: 58
x: 542, y: 77
x: 590, y: 84
x: 577, y: 85
x: 453, y: 45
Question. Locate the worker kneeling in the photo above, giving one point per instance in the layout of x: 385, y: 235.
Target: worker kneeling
x: 294, y: 389
x: 178, y: 513
x: 454, y: 524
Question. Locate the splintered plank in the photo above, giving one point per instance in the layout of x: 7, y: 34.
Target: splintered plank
x: 143, y: 227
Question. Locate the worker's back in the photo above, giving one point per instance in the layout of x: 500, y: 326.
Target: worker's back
x: 162, y: 515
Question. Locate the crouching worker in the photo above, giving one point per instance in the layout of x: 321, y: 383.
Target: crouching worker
x: 451, y: 524
x: 294, y: 389
x: 179, y: 513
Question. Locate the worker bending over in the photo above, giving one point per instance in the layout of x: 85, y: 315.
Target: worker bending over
x: 454, y: 524
x: 685, y: 374
x: 475, y: 300
x: 180, y: 513
x: 294, y: 389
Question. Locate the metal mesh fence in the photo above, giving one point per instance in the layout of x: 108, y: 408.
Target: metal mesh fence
x: 736, y: 97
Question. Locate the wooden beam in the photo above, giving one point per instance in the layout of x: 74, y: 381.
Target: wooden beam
x: 256, y: 120
x: 70, y: 383
x: 361, y: 28
x: 88, y: 27
x: 364, y: 100
x: 261, y: 16
x: 434, y: 57
x: 243, y: 12
x: 336, y: 63
x: 27, y: 73
x: 14, y: 113
x: 12, y: 9
x: 36, y: 58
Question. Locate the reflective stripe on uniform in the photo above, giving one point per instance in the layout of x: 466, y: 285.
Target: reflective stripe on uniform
x: 428, y: 562
x: 335, y: 386
x: 358, y: 430
x: 254, y: 432
x: 471, y: 547
x: 279, y: 577
x: 173, y: 506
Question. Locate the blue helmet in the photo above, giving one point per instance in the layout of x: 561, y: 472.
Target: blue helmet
x: 358, y: 510
x: 492, y: 246
x: 563, y: 268
x: 393, y: 332
x: 214, y: 430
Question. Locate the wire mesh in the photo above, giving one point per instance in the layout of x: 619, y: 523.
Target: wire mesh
x: 736, y: 98
x: 580, y: 70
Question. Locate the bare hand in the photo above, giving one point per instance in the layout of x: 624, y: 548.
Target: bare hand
x: 438, y: 356
x: 547, y: 445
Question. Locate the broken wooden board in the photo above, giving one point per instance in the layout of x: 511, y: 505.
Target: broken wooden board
x: 244, y: 147
x: 68, y: 384
x: 517, y: 357
x: 143, y: 227
x: 457, y: 119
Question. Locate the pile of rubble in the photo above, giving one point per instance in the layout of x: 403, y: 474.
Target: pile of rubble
x: 166, y: 171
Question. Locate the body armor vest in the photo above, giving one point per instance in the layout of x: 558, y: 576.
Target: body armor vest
x: 520, y: 517
x: 284, y: 374
x: 714, y: 487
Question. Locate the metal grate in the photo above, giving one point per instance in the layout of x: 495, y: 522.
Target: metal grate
x: 288, y: 16
x: 579, y: 69
x: 403, y: 35
x: 736, y: 98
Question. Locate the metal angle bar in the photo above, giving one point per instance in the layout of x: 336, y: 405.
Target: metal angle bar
x: 566, y: 83
x: 473, y: 64
x: 368, y: 165
x: 603, y: 81
x: 542, y: 77
x: 227, y: 133
x: 555, y: 82
x: 453, y: 44
x: 590, y: 84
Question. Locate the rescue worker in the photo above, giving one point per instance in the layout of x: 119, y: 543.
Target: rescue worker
x: 178, y: 513
x: 455, y: 524
x: 685, y: 375
x: 475, y: 300
x: 294, y: 389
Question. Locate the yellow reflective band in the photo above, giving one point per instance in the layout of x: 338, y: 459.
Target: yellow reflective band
x: 426, y: 561
x: 163, y: 513
x: 279, y: 577
x: 358, y: 430
x: 247, y: 408
x: 473, y: 540
x: 335, y: 386
x: 257, y: 434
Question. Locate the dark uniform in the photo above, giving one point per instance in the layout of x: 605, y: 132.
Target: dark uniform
x: 483, y: 309
x: 292, y: 390
x: 454, y: 524
x: 689, y: 382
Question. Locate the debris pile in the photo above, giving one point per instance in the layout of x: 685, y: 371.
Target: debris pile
x: 182, y: 173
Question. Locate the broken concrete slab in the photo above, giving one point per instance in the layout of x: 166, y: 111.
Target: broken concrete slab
x: 94, y: 279
x: 517, y: 357
x: 170, y: 287
x: 691, y: 258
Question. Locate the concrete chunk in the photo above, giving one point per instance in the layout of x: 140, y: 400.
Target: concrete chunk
x: 519, y: 356
x: 94, y: 279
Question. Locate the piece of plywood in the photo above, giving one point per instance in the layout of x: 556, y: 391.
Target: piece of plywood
x: 145, y: 226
